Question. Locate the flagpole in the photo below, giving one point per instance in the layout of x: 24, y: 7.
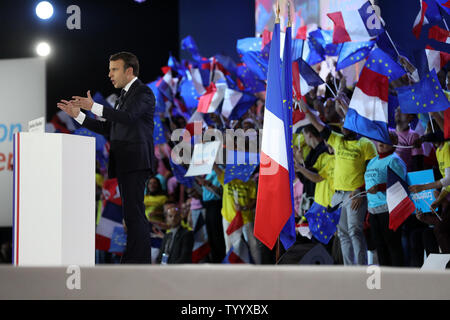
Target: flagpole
x: 277, y: 252
x: 445, y: 23
x: 431, y: 121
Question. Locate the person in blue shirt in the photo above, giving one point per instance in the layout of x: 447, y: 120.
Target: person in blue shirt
x: 387, y: 242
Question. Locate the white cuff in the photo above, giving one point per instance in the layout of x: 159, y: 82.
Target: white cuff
x: 80, y: 118
x: 97, y: 109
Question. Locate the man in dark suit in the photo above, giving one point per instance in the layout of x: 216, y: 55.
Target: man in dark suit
x: 178, y: 242
x: 129, y: 128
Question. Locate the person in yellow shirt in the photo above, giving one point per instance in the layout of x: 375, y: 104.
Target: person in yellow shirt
x: 351, y: 157
x: 239, y: 196
x: 154, y: 201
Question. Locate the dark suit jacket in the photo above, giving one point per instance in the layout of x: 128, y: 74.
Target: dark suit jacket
x: 181, y: 251
x: 130, y: 131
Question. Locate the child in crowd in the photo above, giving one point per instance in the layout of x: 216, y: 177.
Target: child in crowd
x: 388, y: 243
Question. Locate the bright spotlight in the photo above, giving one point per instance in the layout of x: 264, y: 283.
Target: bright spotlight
x: 43, y: 49
x: 44, y: 10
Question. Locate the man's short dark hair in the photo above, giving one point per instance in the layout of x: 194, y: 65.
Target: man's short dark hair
x: 129, y: 59
x: 312, y: 130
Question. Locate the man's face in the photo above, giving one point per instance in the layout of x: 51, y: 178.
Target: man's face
x: 118, y: 75
x: 173, y: 217
x: 308, y: 137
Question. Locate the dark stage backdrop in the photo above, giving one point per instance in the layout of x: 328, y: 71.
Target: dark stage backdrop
x: 79, y: 59
x: 216, y: 25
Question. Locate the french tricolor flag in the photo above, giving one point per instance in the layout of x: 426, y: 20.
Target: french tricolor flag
x: 437, y: 59
x: 239, y: 251
x: 211, y: 100
x: 356, y: 25
x: 368, y: 109
x: 111, y: 218
x: 274, y: 204
x: 201, y: 246
x: 399, y: 204
x: 421, y: 19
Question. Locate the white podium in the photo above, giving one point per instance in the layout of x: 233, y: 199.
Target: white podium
x: 54, y: 200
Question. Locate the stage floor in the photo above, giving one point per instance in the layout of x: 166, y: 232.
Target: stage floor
x: 222, y: 282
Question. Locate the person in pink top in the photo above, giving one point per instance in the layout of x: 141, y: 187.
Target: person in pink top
x: 413, y: 157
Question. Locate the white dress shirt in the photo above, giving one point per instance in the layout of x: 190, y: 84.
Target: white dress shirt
x: 97, y: 109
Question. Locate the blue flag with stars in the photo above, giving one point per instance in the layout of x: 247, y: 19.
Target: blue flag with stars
x: 250, y: 81
x: 353, y: 52
x: 179, y: 172
x: 158, y: 131
x: 382, y: 63
x: 322, y: 222
x: 250, y: 51
x: 424, y: 96
x: 287, y: 234
x: 320, y: 39
x: 240, y: 165
x: 189, y: 94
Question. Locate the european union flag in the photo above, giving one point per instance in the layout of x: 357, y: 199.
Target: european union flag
x: 424, y: 96
x: 253, y: 57
x: 189, y: 93
x: 353, y: 52
x: 240, y: 165
x: 314, y: 56
x: 158, y: 131
x: 333, y: 49
x: 320, y: 38
x: 382, y: 63
x: 179, y: 171
x: 322, y: 223
x: 189, y: 44
x: 118, y: 240
x: 250, y: 82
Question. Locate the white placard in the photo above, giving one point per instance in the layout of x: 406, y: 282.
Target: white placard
x: 203, y: 158
x: 37, y: 125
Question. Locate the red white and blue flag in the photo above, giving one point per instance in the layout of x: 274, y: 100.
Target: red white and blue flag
x: 421, y: 19
x: 110, y: 219
x: 239, y: 251
x: 201, y: 246
x: 437, y: 59
x: 356, y: 25
x: 399, y: 204
x: 368, y: 110
x: 274, y: 175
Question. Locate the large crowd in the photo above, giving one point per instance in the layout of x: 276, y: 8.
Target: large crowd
x: 190, y: 222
